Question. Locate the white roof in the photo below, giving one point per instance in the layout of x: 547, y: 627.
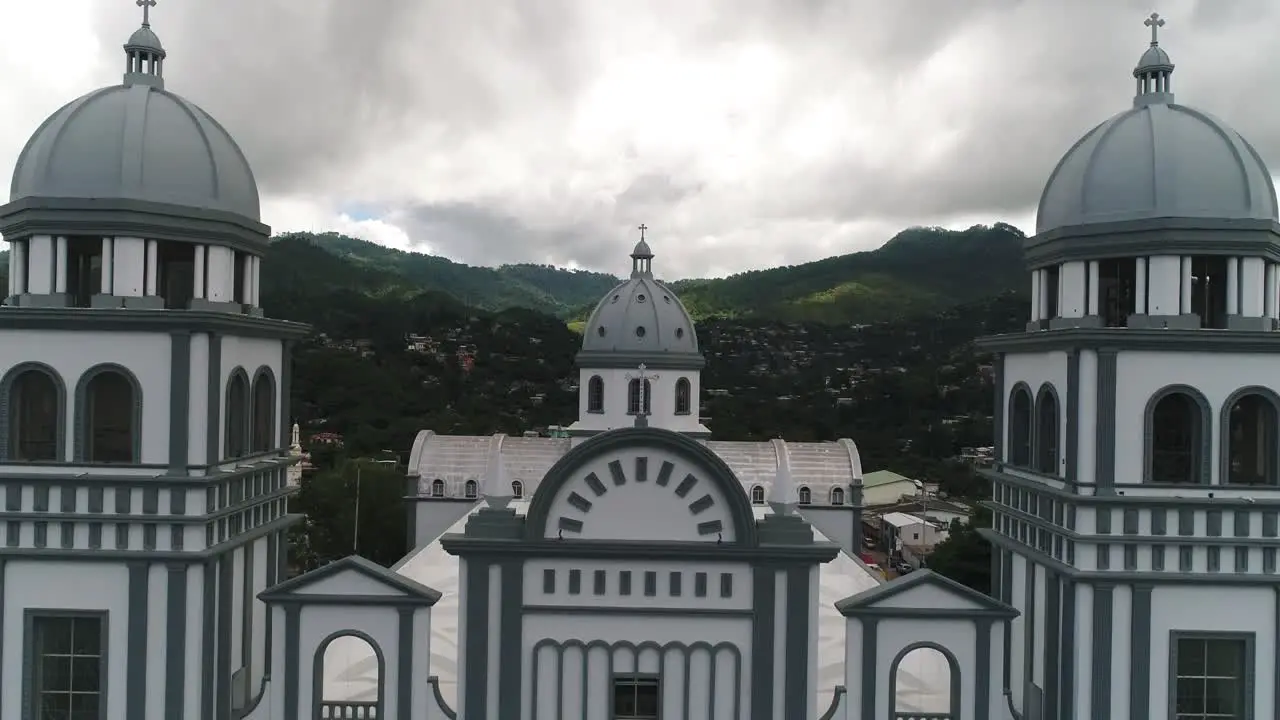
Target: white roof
x: 350, y: 671
x: 900, y: 519
x: 455, y: 459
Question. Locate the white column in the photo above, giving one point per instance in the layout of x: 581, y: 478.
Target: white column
x: 219, y: 264
x: 153, y: 269
x: 198, y: 291
x: 39, y: 264
x: 1270, y: 297
x: 108, y: 266
x: 129, y: 266
x: 60, y: 266
x: 246, y: 287
x: 1233, y: 286
x: 1140, y: 286
x: 1184, y: 301
x: 1071, y: 289
x: 1252, y: 290
x: 1035, y: 295
x: 257, y: 281
x: 23, y: 269
x: 13, y: 267
x: 1094, y: 277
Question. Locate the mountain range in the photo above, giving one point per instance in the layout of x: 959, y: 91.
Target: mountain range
x: 920, y: 270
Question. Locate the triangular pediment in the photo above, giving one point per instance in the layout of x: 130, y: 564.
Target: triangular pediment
x: 924, y: 592
x: 353, y: 579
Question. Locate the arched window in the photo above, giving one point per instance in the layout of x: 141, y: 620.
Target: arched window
x: 837, y: 496
x: 634, y: 395
x: 805, y: 496
x: 111, y: 414
x: 1020, y: 426
x: 683, y: 396
x: 469, y: 490
x: 1249, y: 438
x: 595, y: 394
x: 236, y: 422
x: 757, y: 495
x: 1176, y: 435
x: 264, y: 412
x: 517, y: 489
x: 340, y: 648
x: 437, y: 488
x: 35, y: 415
x: 1046, y: 444
x: 926, y: 659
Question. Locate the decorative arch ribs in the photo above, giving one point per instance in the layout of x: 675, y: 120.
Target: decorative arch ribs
x: 698, y: 506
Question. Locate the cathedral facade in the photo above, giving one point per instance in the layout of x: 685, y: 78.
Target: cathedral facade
x: 636, y: 569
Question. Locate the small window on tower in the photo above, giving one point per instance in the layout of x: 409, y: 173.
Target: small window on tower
x: 635, y: 697
x: 639, y: 331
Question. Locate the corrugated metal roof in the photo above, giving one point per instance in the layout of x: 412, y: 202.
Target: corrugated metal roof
x: 455, y: 459
x: 900, y: 520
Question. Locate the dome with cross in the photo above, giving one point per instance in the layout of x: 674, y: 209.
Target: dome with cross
x: 640, y: 321
x: 136, y: 148
x: 1157, y: 159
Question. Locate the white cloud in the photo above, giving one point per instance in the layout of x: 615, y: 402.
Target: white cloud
x: 744, y: 132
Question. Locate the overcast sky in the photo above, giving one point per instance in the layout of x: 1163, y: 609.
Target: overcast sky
x: 745, y: 133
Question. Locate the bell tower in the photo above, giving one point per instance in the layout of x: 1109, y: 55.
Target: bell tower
x: 1137, y: 474
x: 144, y: 414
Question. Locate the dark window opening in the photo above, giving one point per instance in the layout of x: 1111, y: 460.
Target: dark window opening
x: 1020, y: 428
x: 635, y: 698
x: 84, y: 270
x: 176, y: 274
x: 1209, y: 291
x: 34, y: 415
x: 1211, y: 679
x: 1047, y: 433
x: 634, y: 397
x: 264, y: 416
x: 1050, y: 291
x: 110, y: 408
x: 1252, y: 433
x: 469, y: 490
x: 1176, y: 440
x: 237, y: 421
x: 1117, y: 290
x: 437, y: 488
x: 238, y: 279
x: 683, y: 396
x: 595, y: 394
x: 67, y: 667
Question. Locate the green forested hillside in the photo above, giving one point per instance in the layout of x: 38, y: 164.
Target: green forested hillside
x: 921, y: 269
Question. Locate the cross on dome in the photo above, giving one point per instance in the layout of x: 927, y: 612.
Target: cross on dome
x: 641, y: 228
x: 146, y: 6
x: 1155, y: 22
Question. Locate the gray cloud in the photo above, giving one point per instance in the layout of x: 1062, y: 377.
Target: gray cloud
x: 319, y: 91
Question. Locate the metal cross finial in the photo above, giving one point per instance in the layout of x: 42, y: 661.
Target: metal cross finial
x: 1155, y: 22
x: 146, y: 6
x: 642, y: 227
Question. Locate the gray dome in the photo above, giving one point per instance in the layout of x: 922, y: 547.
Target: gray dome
x: 640, y: 315
x: 173, y: 152
x: 1157, y: 160
x: 145, y: 39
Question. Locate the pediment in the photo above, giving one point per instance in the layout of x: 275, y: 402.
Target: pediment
x: 924, y: 592
x: 355, y: 579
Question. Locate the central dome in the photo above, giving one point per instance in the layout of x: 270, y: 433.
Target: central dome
x: 137, y: 142
x: 641, y: 319
x: 1157, y: 160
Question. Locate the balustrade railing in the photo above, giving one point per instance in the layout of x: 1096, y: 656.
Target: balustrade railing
x: 348, y: 710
